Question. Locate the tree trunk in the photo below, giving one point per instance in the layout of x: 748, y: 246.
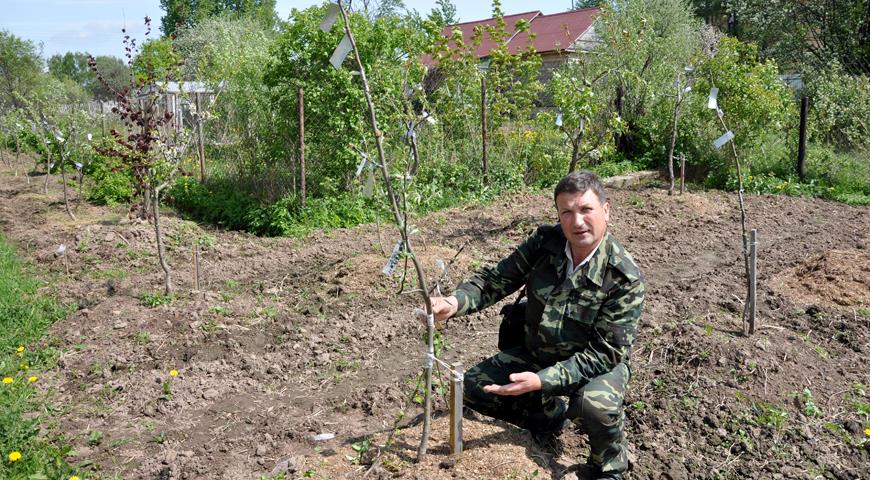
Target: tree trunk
x: 673, y: 143
x: 65, y: 195
x: 47, y: 167
x: 403, y: 229
x: 167, y: 276
x: 575, y: 151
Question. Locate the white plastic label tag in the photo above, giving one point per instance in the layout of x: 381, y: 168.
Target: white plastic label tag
x: 390, y: 267
x: 712, y: 102
x: 723, y: 139
x: 331, y: 16
x: 362, y: 164
x: 341, y: 52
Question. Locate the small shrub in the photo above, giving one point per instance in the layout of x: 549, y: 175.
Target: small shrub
x: 108, y: 182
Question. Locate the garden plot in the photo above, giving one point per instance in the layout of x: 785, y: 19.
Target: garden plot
x: 289, y: 339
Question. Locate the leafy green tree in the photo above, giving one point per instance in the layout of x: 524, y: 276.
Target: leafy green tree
x: 228, y: 54
x: 334, y: 102
x: 643, y: 44
x: 74, y: 66
x: 579, y: 4
x: 444, y: 13
x: 20, y: 66
x: 157, y: 58
x: 183, y: 14
x: 816, y: 32
x: 751, y: 95
x: 71, y: 65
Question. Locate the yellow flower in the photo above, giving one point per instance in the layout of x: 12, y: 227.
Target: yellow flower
x: 74, y: 477
x: 8, y: 380
x: 867, y: 432
x: 24, y: 366
x: 31, y: 379
x: 14, y: 456
x: 20, y: 348
x: 173, y: 373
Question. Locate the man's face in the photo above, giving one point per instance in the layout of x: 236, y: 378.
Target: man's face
x: 583, y: 219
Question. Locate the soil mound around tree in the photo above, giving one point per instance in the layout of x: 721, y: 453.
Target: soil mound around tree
x: 836, y: 278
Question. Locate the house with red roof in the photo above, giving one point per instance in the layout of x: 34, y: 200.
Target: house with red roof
x: 555, y: 37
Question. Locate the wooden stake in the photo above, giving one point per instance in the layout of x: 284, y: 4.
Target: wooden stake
x: 200, y: 141
x: 753, y: 277
x: 456, y: 394
x: 802, y: 143
x: 302, y: 146
x: 682, y: 173
x: 196, y: 267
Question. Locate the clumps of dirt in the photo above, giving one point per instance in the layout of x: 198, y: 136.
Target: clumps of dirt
x: 836, y: 278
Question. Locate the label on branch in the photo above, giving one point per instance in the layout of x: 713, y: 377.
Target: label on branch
x: 341, y: 52
x: 362, y: 163
x: 723, y: 139
x: 331, y: 16
x: 390, y: 267
x: 712, y: 103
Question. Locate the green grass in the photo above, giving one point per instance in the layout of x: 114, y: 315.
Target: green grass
x: 25, y: 419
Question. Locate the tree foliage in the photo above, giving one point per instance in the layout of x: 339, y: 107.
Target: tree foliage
x: 184, y: 14
x: 20, y: 66
x: 580, y: 4
x: 817, y: 32
x: 334, y: 103
x: 74, y: 66
x: 643, y: 44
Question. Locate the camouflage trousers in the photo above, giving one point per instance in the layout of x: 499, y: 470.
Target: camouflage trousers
x: 596, y: 408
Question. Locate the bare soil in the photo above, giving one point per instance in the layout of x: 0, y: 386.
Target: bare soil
x: 292, y: 338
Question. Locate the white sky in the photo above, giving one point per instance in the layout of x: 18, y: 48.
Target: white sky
x: 95, y: 26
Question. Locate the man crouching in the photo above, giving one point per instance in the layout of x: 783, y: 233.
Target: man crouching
x: 585, y: 296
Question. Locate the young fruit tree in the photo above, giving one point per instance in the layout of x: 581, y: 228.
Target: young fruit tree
x: 400, y: 215
x: 150, y: 144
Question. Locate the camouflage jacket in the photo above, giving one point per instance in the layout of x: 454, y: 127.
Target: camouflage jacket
x: 583, y: 326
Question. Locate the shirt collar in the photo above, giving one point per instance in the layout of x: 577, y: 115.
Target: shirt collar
x: 570, y: 268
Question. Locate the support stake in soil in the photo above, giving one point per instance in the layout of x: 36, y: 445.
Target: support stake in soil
x: 196, y: 267
x: 753, y: 276
x: 456, y: 393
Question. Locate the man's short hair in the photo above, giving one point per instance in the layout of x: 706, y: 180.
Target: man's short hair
x: 579, y: 182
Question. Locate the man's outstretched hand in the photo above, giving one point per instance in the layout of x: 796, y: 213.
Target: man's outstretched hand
x: 444, y: 307
x: 523, y: 382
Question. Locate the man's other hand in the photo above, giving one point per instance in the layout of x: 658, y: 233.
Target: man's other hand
x: 444, y: 307
x: 523, y: 382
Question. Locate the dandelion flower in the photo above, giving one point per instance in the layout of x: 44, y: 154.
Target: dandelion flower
x: 14, y: 456
x: 8, y: 380
x: 74, y: 477
x: 31, y: 379
x: 173, y: 373
x: 867, y: 432
x: 20, y: 348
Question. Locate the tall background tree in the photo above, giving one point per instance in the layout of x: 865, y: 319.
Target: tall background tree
x: 74, y: 66
x: 182, y: 14
x: 578, y: 4
x: 20, y: 66
x: 815, y: 33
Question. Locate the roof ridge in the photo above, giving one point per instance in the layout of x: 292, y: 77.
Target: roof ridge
x: 538, y: 12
